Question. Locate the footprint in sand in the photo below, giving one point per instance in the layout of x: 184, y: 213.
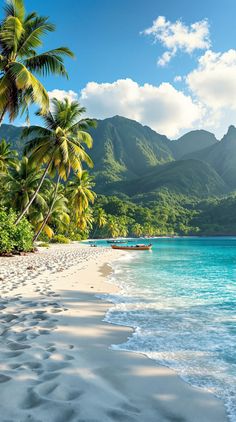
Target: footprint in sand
x: 49, y: 376
x: 4, y: 378
x: 119, y: 415
x: 44, y: 332
x: 8, y: 317
x: 31, y: 400
x: 55, y: 391
x: 54, y: 311
x: 32, y: 365
x: 12, y: 354
x: 17, y: 346
x: 55, y: 366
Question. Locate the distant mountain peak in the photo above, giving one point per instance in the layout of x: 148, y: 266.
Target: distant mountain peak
x: 231, y: 134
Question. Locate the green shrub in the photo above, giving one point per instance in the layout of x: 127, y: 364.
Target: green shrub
x: 44, y: 245
x: 43, y: 237
x: 59, y: 238
x: 14, y: 238
x: 76, y: 237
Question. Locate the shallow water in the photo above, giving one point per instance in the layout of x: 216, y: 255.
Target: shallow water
x: 181, y: 300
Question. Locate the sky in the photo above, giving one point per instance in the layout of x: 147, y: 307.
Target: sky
x: 169, y: 64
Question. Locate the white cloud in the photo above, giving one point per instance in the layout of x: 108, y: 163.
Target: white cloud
x: 177, y: 36
x: 60, y: 94
x: 214, y: 82
x: 163, y: 108
x: 210, y: 103
x: 178, y: 78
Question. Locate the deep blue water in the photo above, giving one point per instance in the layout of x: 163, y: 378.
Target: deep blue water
x: 181, y: 299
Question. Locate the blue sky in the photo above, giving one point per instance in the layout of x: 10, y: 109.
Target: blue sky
x: 105, y: 37
x: 104, y: 34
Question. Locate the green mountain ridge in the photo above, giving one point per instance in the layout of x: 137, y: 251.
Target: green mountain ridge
x: 221, y: 156
x: 187, y: 177
x: 12, y: 134
x: 133, y: 159
x: 124, y: 149
x: 192, y: 142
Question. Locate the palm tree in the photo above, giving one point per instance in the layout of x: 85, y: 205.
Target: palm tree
x: 20, y: 37
x: 59, y: 145
x: 113, y: 227
x: 57, y: 215
x: 80, y: 192
x: 100, y: 219
x: 123, y: 229
x: 22, y: 182
x: 85, y: 220
x: 137, y: 230
x: 52, y: 195
x: 148, y: 229
x: 7, y: 157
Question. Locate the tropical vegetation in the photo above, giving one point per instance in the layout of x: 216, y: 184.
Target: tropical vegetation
x: 142, y: 185
x: 21, y: 61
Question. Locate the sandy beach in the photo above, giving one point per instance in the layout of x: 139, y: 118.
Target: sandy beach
x: 56, y: 364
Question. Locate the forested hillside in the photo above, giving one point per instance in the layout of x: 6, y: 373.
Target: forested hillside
x: 133, y: 159
x: 148, y: 184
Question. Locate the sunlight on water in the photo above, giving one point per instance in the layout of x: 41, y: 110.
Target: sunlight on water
x: 181, y: 300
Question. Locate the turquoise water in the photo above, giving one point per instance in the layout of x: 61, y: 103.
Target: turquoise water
x: 181, y: 299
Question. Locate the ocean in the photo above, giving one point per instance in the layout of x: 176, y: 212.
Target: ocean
x: 180, y: 298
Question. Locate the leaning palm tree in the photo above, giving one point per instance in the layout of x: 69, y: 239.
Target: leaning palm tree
x: 8, y: 157
x: 57, y: 214
x: 21, y: 183
x: 20, y: 62
x: 59, y: 145
x: 80, y: 192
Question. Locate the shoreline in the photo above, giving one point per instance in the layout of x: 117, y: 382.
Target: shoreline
x: 69, y: 371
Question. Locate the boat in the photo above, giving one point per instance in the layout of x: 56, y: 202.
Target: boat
x: 139, y: 247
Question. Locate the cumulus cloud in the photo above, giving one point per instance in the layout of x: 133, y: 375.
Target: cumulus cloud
x: 162, y: 107
x: 213, y: 84
x: 60, y: 94
x: 213, y: 81
x: 176, y: 36
x: 209, y: 104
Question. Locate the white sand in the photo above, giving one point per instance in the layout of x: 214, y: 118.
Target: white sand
x: 55, y: 361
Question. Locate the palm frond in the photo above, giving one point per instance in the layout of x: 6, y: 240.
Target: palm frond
x: 10, y: 34
x: 85, y: 138
x: 35, y: 131
x: 49, y: 62
x: 15, y: 8
x: 35, y: 28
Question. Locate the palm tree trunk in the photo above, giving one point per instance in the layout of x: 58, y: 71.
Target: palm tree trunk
x: 2, y: 115
x: 34, y: 195
x: 95, y: 231
x: 49, y: 211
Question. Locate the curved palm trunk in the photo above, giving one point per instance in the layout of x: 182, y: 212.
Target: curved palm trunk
x: 34, y: 195
x: 49, y: 211
x: 2, y: 115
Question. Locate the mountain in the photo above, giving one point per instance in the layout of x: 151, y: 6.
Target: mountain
x: 188, y: 177
x: 12, y: 134
x: 124, y: 149
x: 132, y: 158
x: 191, y: 142
x: 221, y: 156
